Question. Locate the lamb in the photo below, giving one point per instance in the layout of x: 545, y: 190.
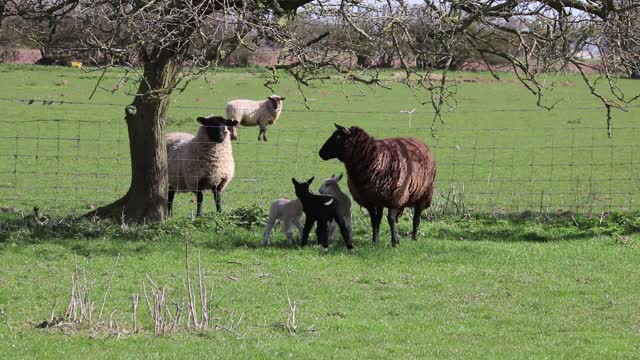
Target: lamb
x: 330, y: 187
x: 287, y: 211
x: 392, y: 173
x: 321, y: 209
x: 201, y: 162
x: 256, y: 112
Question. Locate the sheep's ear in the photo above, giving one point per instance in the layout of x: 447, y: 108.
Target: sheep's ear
x: 341, y: 128
x: 282, y: 99
x: 294, y: 181
x: 310, y: 180
x: 201, y: 120
x: 231, y: 122
x: 339, y: 177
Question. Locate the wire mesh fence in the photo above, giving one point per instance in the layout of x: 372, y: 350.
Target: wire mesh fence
x: 68, y: 165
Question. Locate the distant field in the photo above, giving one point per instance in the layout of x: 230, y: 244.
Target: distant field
x: 496, y: 151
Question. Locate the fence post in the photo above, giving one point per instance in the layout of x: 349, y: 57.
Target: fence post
x: 410, y: 112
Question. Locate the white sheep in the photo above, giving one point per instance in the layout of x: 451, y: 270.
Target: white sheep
x: 287, y: 211
x: 256, y: 112
x: 201, y: 162
x: 343, y: 203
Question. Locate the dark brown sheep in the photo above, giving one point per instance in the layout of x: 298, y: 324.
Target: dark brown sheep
x: 388, y: 173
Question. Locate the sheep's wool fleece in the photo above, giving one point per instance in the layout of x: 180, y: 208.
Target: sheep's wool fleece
x: 195, y: 163
x: 393, y: 173
x: 252, y: 112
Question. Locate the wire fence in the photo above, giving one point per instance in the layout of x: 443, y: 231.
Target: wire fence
x: 67, y: 164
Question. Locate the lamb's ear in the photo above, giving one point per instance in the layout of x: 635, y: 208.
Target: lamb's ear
x: 339, y: 177
x: 231, y: 122
x: 282, y: 99
x: 310, y: 180
x: 294, y: 181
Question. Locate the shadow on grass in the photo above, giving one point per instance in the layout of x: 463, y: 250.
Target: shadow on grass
x: 243, y: 228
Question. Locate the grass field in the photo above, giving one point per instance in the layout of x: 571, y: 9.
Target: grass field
x: 496, y: 149
x: 477, y: 286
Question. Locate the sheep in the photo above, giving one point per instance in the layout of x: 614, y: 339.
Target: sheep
x: 330, y: 187
x: 201, y: 162
x: 392, y: 173
x: 287, y: 211
x: 321, y: 209
x: 256, y: 112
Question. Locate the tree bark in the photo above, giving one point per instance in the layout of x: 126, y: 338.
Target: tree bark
x: 146, y: 199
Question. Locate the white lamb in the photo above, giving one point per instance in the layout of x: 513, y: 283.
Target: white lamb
x: 201, y: 162
x: 256, y: 112
x: 287, y: 211
x: 330, y: 187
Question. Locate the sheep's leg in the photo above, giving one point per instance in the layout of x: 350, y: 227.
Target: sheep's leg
x: 260, y: 134
x: 199, y: 199
x: 376, y: 218
x: 417, y: 213
x: 323, y: 234
x: 308, y: 224
x: 392, y: 215
x: 172, y: 194
x: 264, y: 134
x: 267, y: 229
x: 217, y: 194
x: 345, y: 231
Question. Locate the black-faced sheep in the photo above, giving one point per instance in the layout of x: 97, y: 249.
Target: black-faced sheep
x: 201, y: 162
x: 256, y: 112
x: 287, y: 211
x: 320, y: 209
x: 343, y: 203
x: 392, y: 173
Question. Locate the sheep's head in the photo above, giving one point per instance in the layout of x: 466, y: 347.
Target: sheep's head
x: 276, y: 101
x: 330, y: 184
x: 333, y: 148
x: 216, y: 127
x: 302, y: 188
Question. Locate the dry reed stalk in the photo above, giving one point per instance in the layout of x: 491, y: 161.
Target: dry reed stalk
x: 104, y: 298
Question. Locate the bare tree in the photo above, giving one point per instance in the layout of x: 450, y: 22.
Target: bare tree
x: 176, y: 41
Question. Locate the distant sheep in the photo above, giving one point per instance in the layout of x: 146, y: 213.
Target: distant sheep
x: 201, y: 162
x: 320, y: 209
x: 256, y: 112
x: 343, y: 203
x: 392, y: 173
x: 287, y: 211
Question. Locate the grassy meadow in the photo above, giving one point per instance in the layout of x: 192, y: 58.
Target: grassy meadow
x: 473, y: 286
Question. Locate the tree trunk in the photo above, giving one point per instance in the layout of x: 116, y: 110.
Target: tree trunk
x: 146, y: 200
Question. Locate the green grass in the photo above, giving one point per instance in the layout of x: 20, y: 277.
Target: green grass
x: 477, y: 286
x: 496, y: 148
x: 468, y: 288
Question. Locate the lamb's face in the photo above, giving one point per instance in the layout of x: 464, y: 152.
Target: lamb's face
x: 276, y: 102
x: 330, y: 184
x: 333, y: 148
x: 216, y: 127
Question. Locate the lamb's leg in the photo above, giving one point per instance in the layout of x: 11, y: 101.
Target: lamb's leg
x: 308, y: 224
x: 267, y: 229
x: 376, y: 218
x: 345, y: 231
x: 199, y: 199
x: 323, y: 234
x: 331, y: 229
x: 172, y: 193
x: 288, y: 230
x: 392, y: 214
